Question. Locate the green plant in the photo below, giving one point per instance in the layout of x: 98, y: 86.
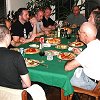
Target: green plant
x: 34, y: 5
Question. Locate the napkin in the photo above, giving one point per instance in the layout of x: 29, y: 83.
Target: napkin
x: 78, y: 72
x: 71, y: 48
x: 46, y: 45
x: 36, y: 92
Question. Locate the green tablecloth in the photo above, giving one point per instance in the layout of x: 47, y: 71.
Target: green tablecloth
x: 54, y: 75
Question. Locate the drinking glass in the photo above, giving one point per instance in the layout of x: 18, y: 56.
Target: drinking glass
x: 62, y: 33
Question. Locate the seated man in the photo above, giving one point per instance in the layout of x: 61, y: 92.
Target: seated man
x: 22, y: 29
x: 94, y: 18
x: 47, y: 21
x: 85, y: 77
x: 6, y: 22
x: 38, y: 18
x: 76, y: 17
x: 13, y: 71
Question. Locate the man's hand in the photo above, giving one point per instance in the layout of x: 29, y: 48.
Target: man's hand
x: 76, y: 51
x: 22, y: 40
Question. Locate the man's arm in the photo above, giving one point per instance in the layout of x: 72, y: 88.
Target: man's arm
x: 16, y: 41
x: 71, y: 65
x: 25, y: 80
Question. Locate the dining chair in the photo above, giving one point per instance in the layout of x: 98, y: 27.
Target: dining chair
x: 12, y: 94
x: 95, y: 92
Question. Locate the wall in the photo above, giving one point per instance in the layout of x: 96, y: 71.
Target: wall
x: 15, y: 4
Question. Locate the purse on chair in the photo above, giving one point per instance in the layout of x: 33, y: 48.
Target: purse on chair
x: 12, y: 94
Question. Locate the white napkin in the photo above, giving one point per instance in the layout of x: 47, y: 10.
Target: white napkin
x: 46, y: 45
x: 78, y: 72
x: 36, y: 92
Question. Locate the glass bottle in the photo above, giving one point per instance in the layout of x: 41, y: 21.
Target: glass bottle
x: 58, y: 31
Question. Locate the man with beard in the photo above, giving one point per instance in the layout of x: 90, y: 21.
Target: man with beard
x: 22, y: 30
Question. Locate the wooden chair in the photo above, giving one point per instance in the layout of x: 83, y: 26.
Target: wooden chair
x: 95, y: 92
x: 12, y: 94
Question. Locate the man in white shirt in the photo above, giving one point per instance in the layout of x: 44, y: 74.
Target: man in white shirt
x: 88, y: 59
x: 38, y: 18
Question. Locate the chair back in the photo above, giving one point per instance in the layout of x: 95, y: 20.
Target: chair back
x: 95, y: 92
x: 12, y: 94
x: 97, y: 89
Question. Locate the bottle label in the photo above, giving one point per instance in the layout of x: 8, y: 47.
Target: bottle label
x: 25, y: 36
x: 58, y: 32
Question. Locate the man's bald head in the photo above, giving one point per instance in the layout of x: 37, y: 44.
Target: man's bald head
x: 89, y: 29
x: 87, y: 32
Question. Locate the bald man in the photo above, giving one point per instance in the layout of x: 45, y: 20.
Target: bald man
x: 86, y: 76
x: 75, y: 17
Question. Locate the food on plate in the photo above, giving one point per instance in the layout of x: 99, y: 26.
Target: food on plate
x: 53, y: 40
x: 74, y: 26
x: 66, y: 56
x: 69, y: 30
x: 31, y: 62
x: 76, y: 44
x: 54, y: 52
x: 31, y: 51
x: 61, y: 46
x: 50, y: 35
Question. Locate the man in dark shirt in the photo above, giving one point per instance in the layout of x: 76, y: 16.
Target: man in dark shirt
x: 13, y: 71
x: 22, y: 30
x: 75, y: 18
x: 47, y: 21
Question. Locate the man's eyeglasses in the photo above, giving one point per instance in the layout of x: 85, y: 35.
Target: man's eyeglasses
x: 80, y: 32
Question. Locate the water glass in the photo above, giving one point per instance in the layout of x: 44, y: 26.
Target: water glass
x: 49, y: 56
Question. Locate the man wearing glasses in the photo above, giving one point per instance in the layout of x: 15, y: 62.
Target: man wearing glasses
x: 89, y: 59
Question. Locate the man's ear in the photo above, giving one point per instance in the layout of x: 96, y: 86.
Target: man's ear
x: 19, y: 16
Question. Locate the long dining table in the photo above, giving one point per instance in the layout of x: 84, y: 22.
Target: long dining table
x: 54, y: 74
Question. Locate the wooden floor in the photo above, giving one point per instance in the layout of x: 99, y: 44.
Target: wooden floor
x: 53, y: 93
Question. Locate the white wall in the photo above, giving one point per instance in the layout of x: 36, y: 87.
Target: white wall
x: 15, y: 4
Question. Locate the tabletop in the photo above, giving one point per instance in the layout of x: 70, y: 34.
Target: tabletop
x: 54, y: 74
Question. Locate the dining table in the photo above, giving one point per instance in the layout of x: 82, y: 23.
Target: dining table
x: 53, y: 73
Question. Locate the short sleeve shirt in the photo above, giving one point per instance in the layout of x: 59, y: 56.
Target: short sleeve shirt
x: 79, y: 20
x: 18, y: 29
x: 12, y: 65
x: 39, y: 26
x: 47, y: 22
x: 90, y: 60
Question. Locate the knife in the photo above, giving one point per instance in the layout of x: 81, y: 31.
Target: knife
x: 41, y: 64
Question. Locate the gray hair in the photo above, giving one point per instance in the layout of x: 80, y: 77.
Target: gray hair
x: 3, y: 31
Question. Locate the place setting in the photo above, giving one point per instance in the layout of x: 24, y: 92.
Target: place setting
x: 31, y: 50
x: 34, y: 63
x: 66, y: 56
